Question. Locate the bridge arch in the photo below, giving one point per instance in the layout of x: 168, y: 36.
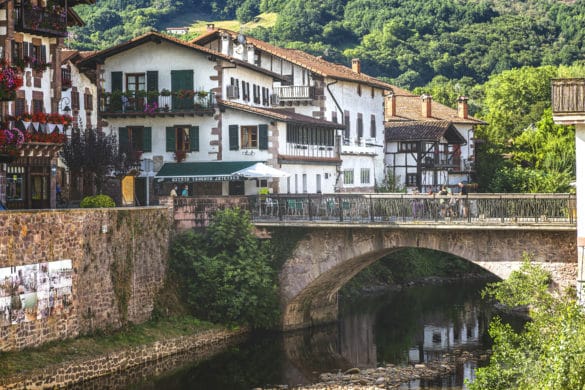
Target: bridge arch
x: 327, y: 257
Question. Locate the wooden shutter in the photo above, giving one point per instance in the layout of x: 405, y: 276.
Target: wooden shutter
x: 123, y: 139
x: 152, y: 84
x: 117, y: 84
x: 234, y: 143
x: 194, y: 138
x: 26, y: 49
x: 171, y: 136
x: 263, y: 137
x: 147, y: 139
x: 43, y: 54
x: 182, y: 80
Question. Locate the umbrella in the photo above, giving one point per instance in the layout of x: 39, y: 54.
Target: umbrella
x: 261, y: 170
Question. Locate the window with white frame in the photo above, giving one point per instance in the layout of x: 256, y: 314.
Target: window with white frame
x: 365, y: 176
x: 348, y: 176
x: 249, y: 137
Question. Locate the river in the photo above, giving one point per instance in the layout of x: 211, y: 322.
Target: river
x: 411, y: 326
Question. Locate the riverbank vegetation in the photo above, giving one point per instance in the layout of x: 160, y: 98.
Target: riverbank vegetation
x: 549, y: 353
x: 227, y: 274
x: 100, y: 343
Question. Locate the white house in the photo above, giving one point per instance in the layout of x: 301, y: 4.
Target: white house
x: 165, y: 99
x: 317, y: 88
x: 428, y: 144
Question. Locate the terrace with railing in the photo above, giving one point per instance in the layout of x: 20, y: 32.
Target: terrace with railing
x: 161, y: 103
x: 38, y: 20
x: 294, y: 92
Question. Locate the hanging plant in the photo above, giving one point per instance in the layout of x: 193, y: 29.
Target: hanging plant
x: 10, y: 81
x: 10, y: 141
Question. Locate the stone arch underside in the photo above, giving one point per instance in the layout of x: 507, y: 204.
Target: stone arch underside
x: 327, y: 258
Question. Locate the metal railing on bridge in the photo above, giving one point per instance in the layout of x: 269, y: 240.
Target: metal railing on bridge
x: 373, y: 208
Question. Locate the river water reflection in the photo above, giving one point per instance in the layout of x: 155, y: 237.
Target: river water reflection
x: 415, y: 325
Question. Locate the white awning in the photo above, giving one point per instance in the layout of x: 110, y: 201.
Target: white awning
x: 261, y: 171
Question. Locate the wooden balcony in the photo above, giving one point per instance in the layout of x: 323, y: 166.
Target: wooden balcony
x: 141, y: 104
x: 568, y: 101
x: 41, y: 21
x: 310, y: 151
x: 294, y: 93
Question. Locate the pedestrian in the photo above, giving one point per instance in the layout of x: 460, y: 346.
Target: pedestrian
x: 185, y: 191
x: 464, y: 203
x: 174, y: 191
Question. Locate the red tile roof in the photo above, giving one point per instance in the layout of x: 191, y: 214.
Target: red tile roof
x: 423, y: 131
x: 409, y: 108
x: 315, y: 64
x: 280, y: 114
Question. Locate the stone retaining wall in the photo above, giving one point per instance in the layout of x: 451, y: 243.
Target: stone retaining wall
x: 132, y: 363
x: 119, y: 258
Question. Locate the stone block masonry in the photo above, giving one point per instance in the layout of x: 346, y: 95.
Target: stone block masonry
x: 119, y: 259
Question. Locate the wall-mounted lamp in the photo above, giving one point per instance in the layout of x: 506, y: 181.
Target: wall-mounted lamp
x: 53, y: 170
x: 64, y: 105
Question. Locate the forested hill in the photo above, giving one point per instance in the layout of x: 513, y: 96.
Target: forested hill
x: 409, y: 42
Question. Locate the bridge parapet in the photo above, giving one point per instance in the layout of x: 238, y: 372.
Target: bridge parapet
x: 371, y: 208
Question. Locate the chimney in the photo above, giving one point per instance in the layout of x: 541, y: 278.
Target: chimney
x: 390, y: 106
x: 225, y: 44
x: 462, y: 108
x: 250, y: 50
x: 427, y: 103
x: 210, y: 26
x: 356, y: 65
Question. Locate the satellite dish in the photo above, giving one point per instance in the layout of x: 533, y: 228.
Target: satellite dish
x: 241, y: 38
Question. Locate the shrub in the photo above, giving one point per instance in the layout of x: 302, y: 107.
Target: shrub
x: 97, y: 201
x: 227, y: 273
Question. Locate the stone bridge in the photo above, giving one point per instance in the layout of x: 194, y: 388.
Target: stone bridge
x: 328, y: 255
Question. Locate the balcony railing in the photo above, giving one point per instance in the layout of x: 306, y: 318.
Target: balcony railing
x: 295, y: 92
x: 41, y: 20
x: 153, y: 102
x: 568, y: 96
x: 310, y: 151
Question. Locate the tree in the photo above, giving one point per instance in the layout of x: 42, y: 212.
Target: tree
x: 227, y: 272
x: 92, y: 156
x: 549, y: 353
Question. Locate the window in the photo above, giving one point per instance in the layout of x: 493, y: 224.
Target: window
x: 360, y: 126
x: 74, y: 99
x: 182, y: 138
x: 365, y: 176
x: 373, y: 93
x: 135, y: 137
x: 249, y: 137
x: 19, y: 107
x: 334, y: 116
x: 373, y: 126
x: 15, y: 183
x: 88, y: 101
x: 408, y: 146
x: 411, y: 179
x: 136, y: 82
x: 305, y: 183
x: 183, y: 143
x: 348, y: 176
x: 16, y: 50
x: 246, y: 90
x: 347, y: 125
x: 37, y: 105
x: 359, y: 90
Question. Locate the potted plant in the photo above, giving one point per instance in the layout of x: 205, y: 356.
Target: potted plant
x: 165, y: 92
x: 10, y: 142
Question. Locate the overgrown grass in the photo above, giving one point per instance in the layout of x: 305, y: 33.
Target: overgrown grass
x: 18, y: 362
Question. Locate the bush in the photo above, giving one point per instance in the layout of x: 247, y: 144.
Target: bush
x: 97, y: 201
x: 227, y: 273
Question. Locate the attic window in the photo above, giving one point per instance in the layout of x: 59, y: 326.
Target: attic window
x: 359, y: 90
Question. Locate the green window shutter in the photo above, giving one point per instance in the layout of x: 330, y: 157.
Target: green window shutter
x: 117, y: 81
x: 147, y: 139
x: 25, y: 49
x: 234, y: 144
x: 194, y: 138
x: 171, y: 139
x: 123, y: 139
x: 182, y: 80
x: 263, y: 137
x: 152, y: 84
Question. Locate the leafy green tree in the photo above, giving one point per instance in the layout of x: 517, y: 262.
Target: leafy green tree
x: 227, y: 273
x: 549, y: 353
